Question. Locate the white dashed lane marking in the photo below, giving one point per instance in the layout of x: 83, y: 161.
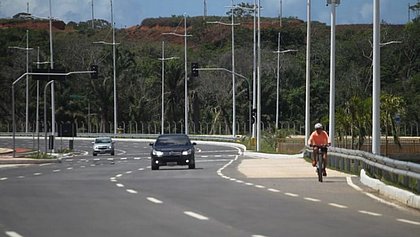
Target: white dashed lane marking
x: 154, y: 200
x: 312, y: 199
x: 13, y: 234
x: 273, y: 190
x: 408, y: 222
x: 196, y: 216
x: 120, y: 185
x: 291, y: 194
x: 369, y: 213
x: 37, y: 174
x: 3, y: 179
x: 337, y: 205
x: 131, y: 191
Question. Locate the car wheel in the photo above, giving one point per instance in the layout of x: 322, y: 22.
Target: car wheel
x: 155, y: 167
x: 94, y: 154
x: 191, y: 166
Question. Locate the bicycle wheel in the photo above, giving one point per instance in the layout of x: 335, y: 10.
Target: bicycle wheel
x: 320, y: 167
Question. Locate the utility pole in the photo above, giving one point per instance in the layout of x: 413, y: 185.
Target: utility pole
x: 254, y: 71
x: 308, y: 72
x: 333, y: 4
x: 259, y: 77
x: 52, y: 84
x: 376, y: 93
x: 93, y: 17
x: 205, y: 9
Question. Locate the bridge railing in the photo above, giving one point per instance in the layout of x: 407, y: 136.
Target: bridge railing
x: 400, y: 173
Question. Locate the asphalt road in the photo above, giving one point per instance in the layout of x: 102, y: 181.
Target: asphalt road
x: 97, y: 196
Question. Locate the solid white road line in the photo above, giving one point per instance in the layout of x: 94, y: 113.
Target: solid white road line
x: 337, y: 205
x: 351, y: 184
x: 154, y: 200
x: 13, y: 234
x: 196, y: 216
x: 132, y: 191
x: 408, y: 222
x: 369, y: 213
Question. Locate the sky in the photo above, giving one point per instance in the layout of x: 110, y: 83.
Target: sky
x: 132, y: 12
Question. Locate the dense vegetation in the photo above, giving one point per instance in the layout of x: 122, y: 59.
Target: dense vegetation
x: 139, y: 73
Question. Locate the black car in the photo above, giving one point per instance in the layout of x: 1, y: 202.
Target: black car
x: 171, y: 150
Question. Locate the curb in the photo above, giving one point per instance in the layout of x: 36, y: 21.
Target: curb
x: 408, y: 198
x: 17, y: 161
x: 270, y: 156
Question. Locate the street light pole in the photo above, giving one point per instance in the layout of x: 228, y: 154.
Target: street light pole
x: 259, y: 77
x: 185, y: 76
x: 163, y: 59
x: 233, y: 67
x: 27, y: 83
x: 233, y: 75
x: 333, y: 4
x: 185, y: 35
x: 254, y: 70
x: 27, y: 49
x: 376, y: 94
x: 114, y: 69
x: 308, y: 72
x: 162, y: 130
x: 52, y: 84
x: 278, y: 82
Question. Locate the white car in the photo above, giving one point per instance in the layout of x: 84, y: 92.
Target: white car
x: 103, y: 145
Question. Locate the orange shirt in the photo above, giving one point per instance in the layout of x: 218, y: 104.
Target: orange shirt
x: 319, y: 139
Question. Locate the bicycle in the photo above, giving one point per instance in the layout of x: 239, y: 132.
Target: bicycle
x: 320, y: 164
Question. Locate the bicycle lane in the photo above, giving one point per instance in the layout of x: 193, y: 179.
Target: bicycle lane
x: 335, y: 201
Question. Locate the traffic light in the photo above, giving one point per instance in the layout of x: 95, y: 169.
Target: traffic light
x: 194, y: 71
x: 94, y: 75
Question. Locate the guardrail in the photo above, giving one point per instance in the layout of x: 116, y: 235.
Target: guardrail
x: 401, y: 173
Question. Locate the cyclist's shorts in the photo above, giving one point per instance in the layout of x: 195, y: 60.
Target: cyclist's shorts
x: 324, y: 149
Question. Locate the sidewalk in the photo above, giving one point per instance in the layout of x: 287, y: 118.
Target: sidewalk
x: 280, y: 166
x: 271, y: 166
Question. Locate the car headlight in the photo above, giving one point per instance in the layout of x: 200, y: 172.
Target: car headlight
x: 187, y: 152
x: 157, y: 153
x: 109, y: 147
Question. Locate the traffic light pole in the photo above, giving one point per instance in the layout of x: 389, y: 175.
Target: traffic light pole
x: 13, y: 96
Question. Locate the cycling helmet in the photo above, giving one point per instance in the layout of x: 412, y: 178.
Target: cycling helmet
x: 318, y: 126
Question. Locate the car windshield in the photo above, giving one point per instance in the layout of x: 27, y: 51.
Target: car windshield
x: 102, y: 140
x: 172, y: 141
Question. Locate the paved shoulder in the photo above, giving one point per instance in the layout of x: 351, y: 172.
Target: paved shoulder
x: 281, y: 167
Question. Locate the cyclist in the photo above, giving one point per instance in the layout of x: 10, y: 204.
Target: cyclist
x: 320, y: 139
